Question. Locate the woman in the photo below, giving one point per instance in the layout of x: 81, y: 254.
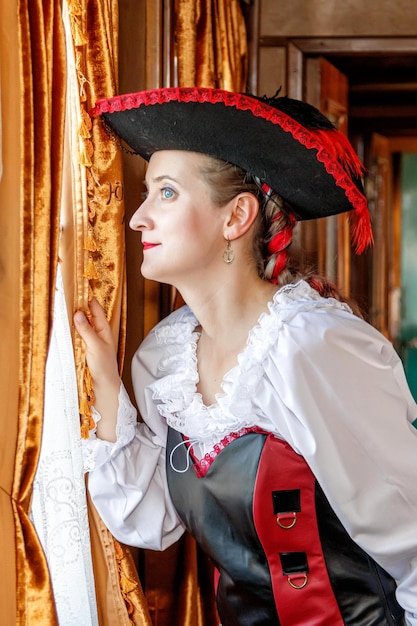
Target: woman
x: 277, y: 423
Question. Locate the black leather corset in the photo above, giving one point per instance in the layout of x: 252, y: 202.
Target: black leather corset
x: 283, y: 556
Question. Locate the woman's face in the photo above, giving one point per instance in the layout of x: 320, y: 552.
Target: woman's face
x: 182, y: 230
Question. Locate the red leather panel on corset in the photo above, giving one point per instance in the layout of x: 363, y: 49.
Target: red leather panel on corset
x: 301, y: 597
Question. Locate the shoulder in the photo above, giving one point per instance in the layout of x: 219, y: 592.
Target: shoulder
x: 307, y: 323
x: 324, y: 356
x: 300, y: 297
x: 297, y: 307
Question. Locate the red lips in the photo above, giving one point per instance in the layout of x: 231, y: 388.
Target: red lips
x: 148, y: 246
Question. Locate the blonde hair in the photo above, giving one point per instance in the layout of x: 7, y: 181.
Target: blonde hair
x: 274, y: 227
x: 275, y: 217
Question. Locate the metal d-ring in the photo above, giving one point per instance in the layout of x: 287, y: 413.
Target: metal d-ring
x: 303, y: 584
x: 291, y: 524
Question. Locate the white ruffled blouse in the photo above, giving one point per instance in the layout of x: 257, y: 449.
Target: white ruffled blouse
x: 313, y: 374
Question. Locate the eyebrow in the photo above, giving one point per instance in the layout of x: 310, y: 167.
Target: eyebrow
x: 158, y: 179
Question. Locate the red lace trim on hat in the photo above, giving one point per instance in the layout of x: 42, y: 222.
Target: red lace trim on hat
x: 201, y: 466
x: 331, y: 145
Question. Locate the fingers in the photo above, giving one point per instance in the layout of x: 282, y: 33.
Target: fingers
x: 100, y: 349
x: 98, y: 316
x: 83, y: 326
x: 98, y: 327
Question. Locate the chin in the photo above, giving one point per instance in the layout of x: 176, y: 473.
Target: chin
x: 152, y: 274
x: 148, y: 274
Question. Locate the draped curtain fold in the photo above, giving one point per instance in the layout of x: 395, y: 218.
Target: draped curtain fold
x: 211, y: 44
x: 42, y: 72
x: 9, y: 289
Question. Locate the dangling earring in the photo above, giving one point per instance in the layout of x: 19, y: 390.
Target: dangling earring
x: 228, y: 254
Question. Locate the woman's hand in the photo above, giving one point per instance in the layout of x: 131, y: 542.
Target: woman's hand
x: 102, y: 363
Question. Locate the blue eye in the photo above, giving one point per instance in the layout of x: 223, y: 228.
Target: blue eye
x: 167, y: 193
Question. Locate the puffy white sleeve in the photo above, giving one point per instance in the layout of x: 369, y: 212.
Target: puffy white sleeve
x: 335, y: 390
x: 127, y: 479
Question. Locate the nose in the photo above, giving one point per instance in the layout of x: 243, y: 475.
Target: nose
x: 139, y: 219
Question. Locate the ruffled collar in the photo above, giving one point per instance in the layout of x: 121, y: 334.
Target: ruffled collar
x: 175, y: 390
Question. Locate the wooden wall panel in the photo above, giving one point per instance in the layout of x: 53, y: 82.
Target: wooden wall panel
x: 141, y: 67
x: 321, y: 18
x: 272, y: 70
x: 132, y: 77
x: 380, y: 200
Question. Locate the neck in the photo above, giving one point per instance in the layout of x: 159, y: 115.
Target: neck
x: 229, y: 308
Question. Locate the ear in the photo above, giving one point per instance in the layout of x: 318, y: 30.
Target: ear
x: 243, y: 213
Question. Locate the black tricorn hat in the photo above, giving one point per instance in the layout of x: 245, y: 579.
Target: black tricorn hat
x: 287, y: 144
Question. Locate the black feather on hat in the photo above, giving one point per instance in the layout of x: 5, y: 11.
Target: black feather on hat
x: 288, y: 144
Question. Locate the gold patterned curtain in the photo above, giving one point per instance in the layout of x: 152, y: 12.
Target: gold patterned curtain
x: 92, y: 251
x: 42, y: 71
x: 36, y: 191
